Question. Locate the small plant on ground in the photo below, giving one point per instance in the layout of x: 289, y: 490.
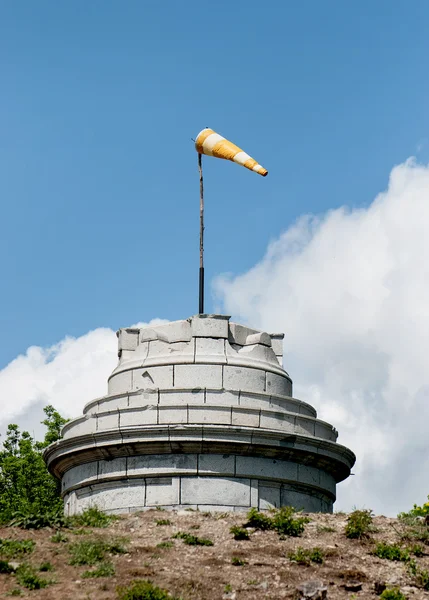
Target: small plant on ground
x: 165, y: 545
x: 238, y: 562
x: 59, y: 537
x: 359, y: 524
x: 392, y: 594
x: 258, y: 520
x: 93, y: 517
x: 16, y: 548
x: 228, y: 588
x: 239, y: 533
x: 325, y: 529
x: 90, y: 552
x: 15, y: 592
x: 192, y: 540
x: 304, y: 556
x: 28, y: 577
x: 391, y: 552
x: 285, y: 522
x: 143, y: 590
x: 416, y: 550
x: 416, y: 511
x: 5, y: 567
x: 46, y: 566
x: 104, y: 569
x: 163, y: 522
x: 421, y: 575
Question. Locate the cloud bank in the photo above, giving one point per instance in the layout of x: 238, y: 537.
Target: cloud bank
x: 350, y: 289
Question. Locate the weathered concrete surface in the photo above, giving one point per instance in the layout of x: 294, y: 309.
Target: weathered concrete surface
x: 199, y: 413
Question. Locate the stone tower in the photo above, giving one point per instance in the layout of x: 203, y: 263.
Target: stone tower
x: 200, y: 414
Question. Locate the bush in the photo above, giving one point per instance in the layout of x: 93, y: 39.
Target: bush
x: 104, y: 569
x: 46, y: 566
x: 305, y: 557
x: 93, y: 517
x: 282, y: 520
x: 416, y: 511
x: 27, y: 519
x: 28, y: 577
x: 359, y: 524
x: 163, y: 522
x: 192, y: 540
x: 143, y: 590
x: 239, y: 533
x: 16, y: 548
x: 59, y: 537
x: 393, y: 594
x: 165, y: 545
x: 391, y: 552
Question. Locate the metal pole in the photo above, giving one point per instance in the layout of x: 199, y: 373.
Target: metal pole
x: 201, y: 302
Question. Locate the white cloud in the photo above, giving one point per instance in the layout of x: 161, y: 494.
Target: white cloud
x: 66, y: 375
x: 351, y: 291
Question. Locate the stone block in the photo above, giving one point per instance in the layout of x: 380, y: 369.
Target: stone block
x: 108, y: 469
x: 238, y: 333
x: 120, y: 383
x: 222, y: 398
x: 269, y: 496
x: 256, y: 401
x: 162, y: 352
x: 213, y: 326
x: 298, y: 500
x: 256, y: 354
x: 133, y: 417
x: 266, y: 468
x: 144, y: 398
x: 128, y: 339
x: 215, y: 415
x: 210, y: 350
x: 277, y: 343
x: 244, y: 379
x: 176, y: 331
x: 325, y: 431
x: 245, y: 417
x: 109, y: 420
x: 202, y: 490
x: 278, y: 421
x: 198, y: 376
x: 276, y: 384
x: 80, y: 476
x: 177, y: 397
x: 304, y: 426
x: 161, y: 464
x: 80, y: 426
x: 162, y: 491
x: 308, y: 475
x: 258, y: 338
x: 216, y: 463
x: 327, y: 482
x: 172, y: 414
x: 109, y: 404
x: 153, y: 377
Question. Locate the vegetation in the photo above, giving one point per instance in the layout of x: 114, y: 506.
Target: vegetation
x: 15, y: 548
x: 29, y: 495
x: 392, y: 594
x: 59, y: 537
x: 359, y: 524
x: 5, y: 567
x: 28, y: 577
x: 239, y: 533
x: 104, y: 569
x: 238, y: 562
x: 282, y: 520
x: 93, y: 517
x: 391, y: 552
x: 90, y: 552
x: 143, y: 590
x: 165, y: 545
x: 307, y: 556
x: 192, y: 540
x: 163, y: 522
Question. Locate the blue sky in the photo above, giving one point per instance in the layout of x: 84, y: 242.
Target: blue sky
x: 98, y: 174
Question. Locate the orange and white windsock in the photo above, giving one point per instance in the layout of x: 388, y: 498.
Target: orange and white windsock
x: 211, y: 143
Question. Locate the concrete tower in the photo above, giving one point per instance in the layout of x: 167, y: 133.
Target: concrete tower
x: 199, y: 414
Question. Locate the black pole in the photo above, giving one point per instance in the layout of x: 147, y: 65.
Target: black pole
x: 201, y: 285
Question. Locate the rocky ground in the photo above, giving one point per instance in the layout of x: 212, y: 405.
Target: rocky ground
x: 264, y: 569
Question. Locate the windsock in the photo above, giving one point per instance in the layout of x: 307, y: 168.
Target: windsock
x: 211, y: 143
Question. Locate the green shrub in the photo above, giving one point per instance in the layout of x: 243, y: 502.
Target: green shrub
x: 192, y: 540
x: 239, y: 533
x: 392, y: 594
x: 238, y: 562
x: 416, y: 550
x: 421, y: 575
x: 416, y: 511
x: 46, y: 566
x: 163, y: 522
x: 359, y: 524
x: 391, y: 552
x: 104, y: 569
x: 15, y: 592
x: 59, y: 537
x: 414, y: 528
x: 16, y: 548
x: 303, y: 556
x: 93, y: 517
x: 89, y: 552
x: 5, y: 567
x: 165, y: 545
x: 258, y: 520
x: 143, y: 590
x: 28, y: 577
x: 285, y: 523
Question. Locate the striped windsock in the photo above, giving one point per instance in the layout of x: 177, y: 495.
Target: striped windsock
x: 211, y: 143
